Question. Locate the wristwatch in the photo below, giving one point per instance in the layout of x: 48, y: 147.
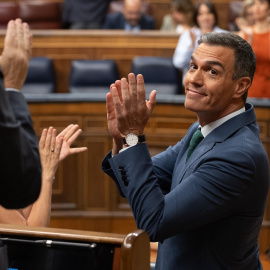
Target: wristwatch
x: 133, y: 139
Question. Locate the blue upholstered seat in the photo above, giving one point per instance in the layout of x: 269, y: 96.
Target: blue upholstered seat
x: 159, y: 74
x: 92, y: 76
x: 40, y: 77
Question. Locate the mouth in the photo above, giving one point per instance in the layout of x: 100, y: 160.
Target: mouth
x: 194, y: 92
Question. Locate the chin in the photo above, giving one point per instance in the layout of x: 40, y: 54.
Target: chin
x: 192, y: 105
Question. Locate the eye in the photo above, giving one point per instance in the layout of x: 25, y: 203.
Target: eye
x: 192, y: 66
x: 213, y: 72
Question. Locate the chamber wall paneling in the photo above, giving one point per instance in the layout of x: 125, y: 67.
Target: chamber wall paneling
x: 84, y: 197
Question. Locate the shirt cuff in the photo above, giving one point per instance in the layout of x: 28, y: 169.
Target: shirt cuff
x: 12, y: 89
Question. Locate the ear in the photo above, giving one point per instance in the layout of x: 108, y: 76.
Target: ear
x: 242, y: 86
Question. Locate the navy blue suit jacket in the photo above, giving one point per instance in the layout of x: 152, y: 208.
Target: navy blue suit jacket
x: 212, y: 211
x: 117, y: 21
x: 20, y: 167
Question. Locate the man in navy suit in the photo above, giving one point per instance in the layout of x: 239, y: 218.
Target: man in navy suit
x: 20, y: 168
x: 131, y: 19
x: 205, y: 210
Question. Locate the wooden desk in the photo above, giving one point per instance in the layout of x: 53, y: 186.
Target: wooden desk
x: 129, y: 252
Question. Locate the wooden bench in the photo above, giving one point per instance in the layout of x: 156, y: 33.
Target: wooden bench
x: 51, y: 248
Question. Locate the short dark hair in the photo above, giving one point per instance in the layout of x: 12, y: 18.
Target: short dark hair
x: 186, y: 7
x: 244, y: 56
x: 211, y: 8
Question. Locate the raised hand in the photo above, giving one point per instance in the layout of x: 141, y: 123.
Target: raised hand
x: 127, y: 109
x: 69, y: 135
x: 49, y: 149
x: 16, y: 54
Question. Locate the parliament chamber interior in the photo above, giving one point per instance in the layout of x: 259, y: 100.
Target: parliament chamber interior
x: 86, y: 206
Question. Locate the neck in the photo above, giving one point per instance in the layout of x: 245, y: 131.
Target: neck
x: 204, y: 118
x: 262, y: 26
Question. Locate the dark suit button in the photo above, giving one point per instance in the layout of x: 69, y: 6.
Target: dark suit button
x: 124, y: 178
x: 121, y: 168
x: 123, y: 173
x: 126, y: 183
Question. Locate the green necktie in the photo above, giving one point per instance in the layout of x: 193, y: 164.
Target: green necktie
x: 195, y: 140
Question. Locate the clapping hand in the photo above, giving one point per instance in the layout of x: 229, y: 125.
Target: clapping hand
x: 127, y: 109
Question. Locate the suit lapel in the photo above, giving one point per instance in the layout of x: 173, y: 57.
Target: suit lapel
x: 218, y: 135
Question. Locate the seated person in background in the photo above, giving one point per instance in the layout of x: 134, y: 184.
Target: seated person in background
x: 84, y: 14
x: 206, y: 21
x: 181, y: 17
x: 204, y: 198
x: 52, y: 150
x: 131, y: 19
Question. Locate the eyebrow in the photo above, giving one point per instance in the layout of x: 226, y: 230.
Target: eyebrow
x: 211, y: 63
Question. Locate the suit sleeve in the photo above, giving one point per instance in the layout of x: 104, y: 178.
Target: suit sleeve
x: 208, y: 194
x: 20, y: 167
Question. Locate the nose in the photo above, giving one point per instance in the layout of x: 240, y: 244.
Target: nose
x: 195, y: 77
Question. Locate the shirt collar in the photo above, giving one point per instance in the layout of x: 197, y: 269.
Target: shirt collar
x: 211, y: 126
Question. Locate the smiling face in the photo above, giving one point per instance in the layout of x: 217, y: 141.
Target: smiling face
x: 210, y: 90
x: 261, y: 10
x: 205, y: 18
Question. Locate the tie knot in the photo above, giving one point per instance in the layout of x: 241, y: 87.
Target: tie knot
x: 195, y: 140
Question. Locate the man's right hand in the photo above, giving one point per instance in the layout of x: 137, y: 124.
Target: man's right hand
x: 16, y: 54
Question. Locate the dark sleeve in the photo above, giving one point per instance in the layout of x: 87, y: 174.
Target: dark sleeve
x: 66, y: 13
x: 147, y: 23
x: 108, y: 24
x: 20, y: 167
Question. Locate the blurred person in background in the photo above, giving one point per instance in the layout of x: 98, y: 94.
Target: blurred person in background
x: 84, y: 14
x: 130, y: 19
x: 259, y: 37
x: 181, y: 17
x: 246, y: 18
x: 206, y: 20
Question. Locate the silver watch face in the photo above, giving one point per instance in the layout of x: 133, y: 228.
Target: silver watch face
x: 132, y: 139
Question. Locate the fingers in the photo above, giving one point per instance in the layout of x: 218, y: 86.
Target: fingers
x: 58, y: 146
x: 65, y: 131
x: 118, y: 87
x: 10, y: 34
x: 27, y: 36
x: 152, y: 101
x: 73, y: 135
x: 49, y: 138
x: 109, y: 106
x: 132, y: 86
x: 116, y: 100
x: 20, y: 33
x: 78, y: 150
x: 53, y: 139
x: 140, y: 90
x: 43, y: 138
